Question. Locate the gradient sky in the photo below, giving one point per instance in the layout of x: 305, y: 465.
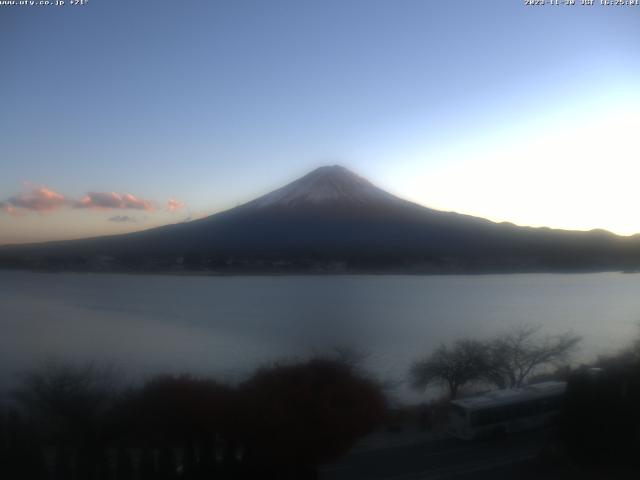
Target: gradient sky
x: 509, y: 112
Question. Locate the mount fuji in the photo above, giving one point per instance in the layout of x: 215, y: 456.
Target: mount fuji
x: 332, y: 220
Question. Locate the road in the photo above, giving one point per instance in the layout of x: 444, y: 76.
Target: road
x: 442, y: 459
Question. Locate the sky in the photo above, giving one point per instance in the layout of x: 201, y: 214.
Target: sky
x: 120, y: 115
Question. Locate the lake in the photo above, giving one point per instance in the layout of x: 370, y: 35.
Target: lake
x: 227, y: 326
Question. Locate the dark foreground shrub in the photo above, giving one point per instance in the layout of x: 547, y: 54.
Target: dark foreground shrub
x: 299, y: 416
x: 601, y: 419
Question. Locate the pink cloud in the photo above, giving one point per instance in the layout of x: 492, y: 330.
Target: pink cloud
x: 43, y: 199
x: 113, y: 200
x: 174, y: 205
x: 37, y: 199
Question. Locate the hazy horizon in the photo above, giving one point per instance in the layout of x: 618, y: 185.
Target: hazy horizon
x: 190, y: 218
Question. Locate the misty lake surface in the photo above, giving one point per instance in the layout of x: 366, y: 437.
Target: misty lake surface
x: 226, y: 326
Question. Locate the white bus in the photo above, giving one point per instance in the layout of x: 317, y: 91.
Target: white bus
x: 506, y: 411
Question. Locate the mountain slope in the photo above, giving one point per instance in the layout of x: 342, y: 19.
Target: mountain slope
x: 331, y: 219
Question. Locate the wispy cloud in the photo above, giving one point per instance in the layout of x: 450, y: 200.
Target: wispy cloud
x: 123, y: 219
x: 37, y: 199
x: 113, y: 200
x: 6, y: 207
x: 174, y: 205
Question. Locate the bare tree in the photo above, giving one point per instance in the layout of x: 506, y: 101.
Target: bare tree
x: 350, y: 355
x: 65, y: 399
x: 465, y: 361
x: 517, y: 355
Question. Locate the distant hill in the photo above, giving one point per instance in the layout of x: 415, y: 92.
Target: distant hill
x: 332, y: 220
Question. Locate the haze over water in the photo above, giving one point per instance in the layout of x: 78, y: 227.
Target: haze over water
x: 226, y: 326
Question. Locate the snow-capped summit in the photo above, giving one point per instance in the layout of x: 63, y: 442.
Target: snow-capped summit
x: 324, y: 186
